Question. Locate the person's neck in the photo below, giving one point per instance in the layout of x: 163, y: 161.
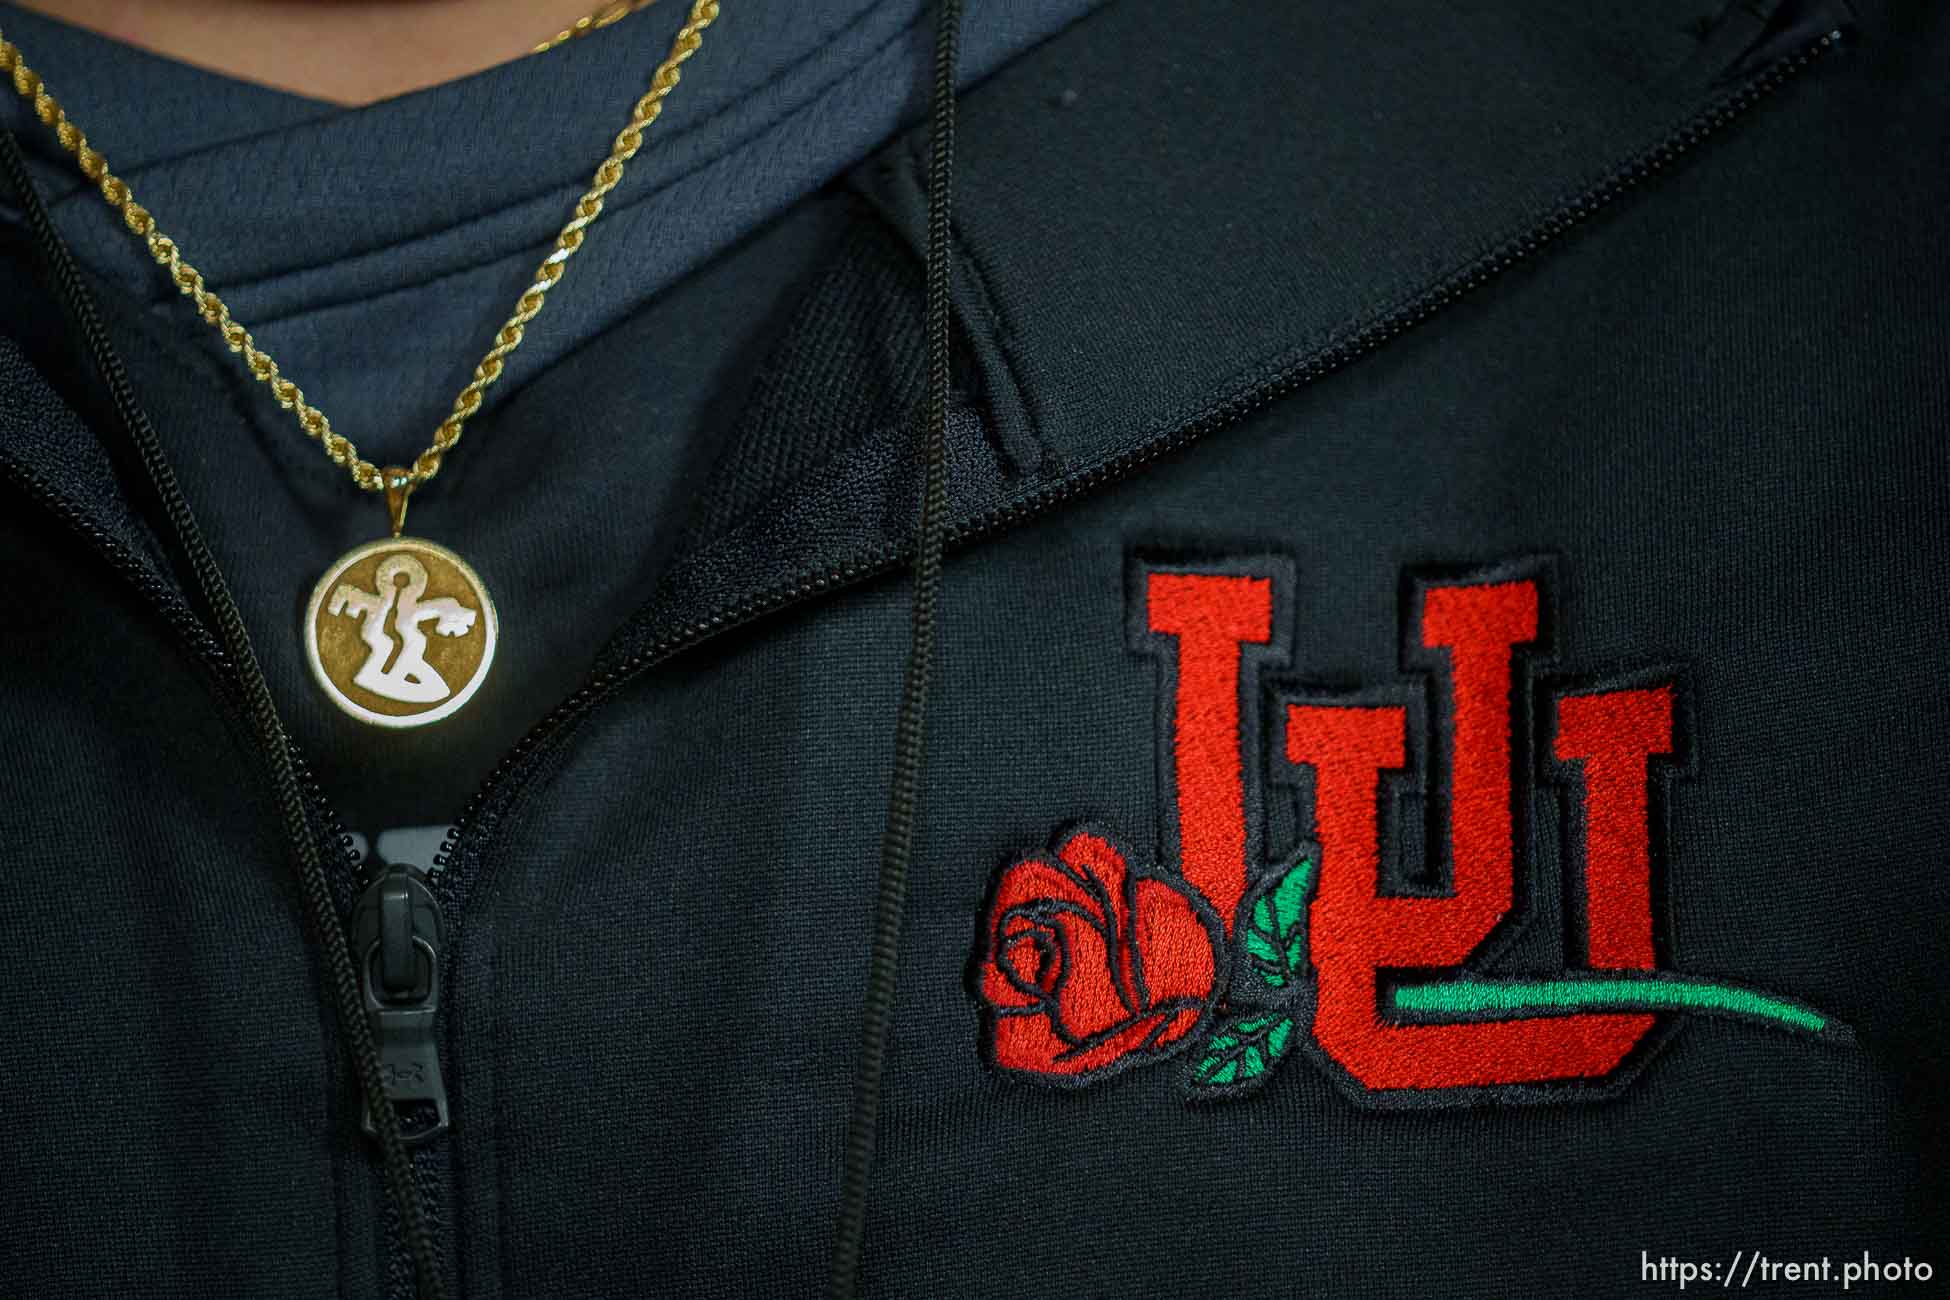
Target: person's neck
x: 343, y: 51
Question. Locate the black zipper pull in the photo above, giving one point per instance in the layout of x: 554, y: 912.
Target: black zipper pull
x: 396, y: 941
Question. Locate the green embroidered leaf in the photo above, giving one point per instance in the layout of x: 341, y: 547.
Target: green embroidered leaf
x: 1242, y: 1052
x: 1276, y: 936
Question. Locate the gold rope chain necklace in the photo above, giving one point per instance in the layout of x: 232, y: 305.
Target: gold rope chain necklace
x: 366, y: 625
x: 615, y: 12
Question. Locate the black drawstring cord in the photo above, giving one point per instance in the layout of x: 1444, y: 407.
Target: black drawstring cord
x: 319, y: 910
x: 897, y: 845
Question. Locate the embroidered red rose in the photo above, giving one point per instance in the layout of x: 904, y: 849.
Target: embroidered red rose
x: 1091, y: 965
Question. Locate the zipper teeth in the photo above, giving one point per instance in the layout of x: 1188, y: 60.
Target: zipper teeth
x: 250, y: 698
x: 177, y: 612
x: 125, y: 562
x: 357, y: 870
x: 1660, y: 157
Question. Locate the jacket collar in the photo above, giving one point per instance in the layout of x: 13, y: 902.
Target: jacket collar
x: 1177, y: 203
x: 1155, y: 234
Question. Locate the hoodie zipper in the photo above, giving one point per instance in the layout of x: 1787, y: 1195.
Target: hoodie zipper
x: 404, y: 1020
x: 132, y: 568
x: 183, y: 620
x: 249, y: 701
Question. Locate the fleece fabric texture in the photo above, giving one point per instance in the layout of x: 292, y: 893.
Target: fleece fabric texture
x: 1376, y: 290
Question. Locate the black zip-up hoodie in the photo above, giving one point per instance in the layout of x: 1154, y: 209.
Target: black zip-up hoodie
x: 1434, y: 769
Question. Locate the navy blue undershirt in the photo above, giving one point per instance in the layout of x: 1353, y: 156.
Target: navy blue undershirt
x: 375, y: 250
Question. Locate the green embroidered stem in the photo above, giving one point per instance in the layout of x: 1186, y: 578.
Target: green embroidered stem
x: 1529, y: 997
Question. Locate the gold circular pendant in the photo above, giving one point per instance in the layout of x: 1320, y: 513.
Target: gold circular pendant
x: 400, y: 632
